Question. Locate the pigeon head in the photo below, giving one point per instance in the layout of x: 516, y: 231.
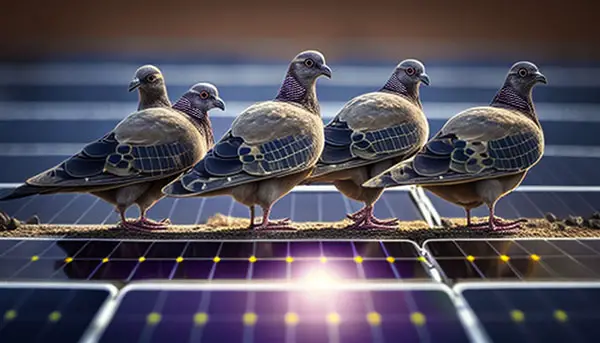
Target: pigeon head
x: 307, y: 66
x: 200, y: 99
x: 515, y: 94
x: 522, y: 76
x: 300, y: 80
x: 147, y: 77
x: 411, y: 72
x: 407, y: 78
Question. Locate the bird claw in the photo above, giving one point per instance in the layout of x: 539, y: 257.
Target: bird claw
x: 498, y: 225
x: 364, y: 219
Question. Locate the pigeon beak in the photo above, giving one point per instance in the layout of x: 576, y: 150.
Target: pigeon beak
x: 135, y: 83
x: 219, y: 103
x: 539, y: 77
x: 424, y: 78
x: 325, y: 70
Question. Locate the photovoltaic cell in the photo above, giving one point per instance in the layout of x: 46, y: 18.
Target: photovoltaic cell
x: 35, y: 312
x: 271, y: 312
x: 522, y: 259
x: 535, y: 311
x: 129, y: 260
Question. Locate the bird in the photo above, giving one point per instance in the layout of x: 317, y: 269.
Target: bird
x: 270, y: 148
x: 481, y: 154
x: 150, y: 83
x: 134, y: 161
x: 371, y: 133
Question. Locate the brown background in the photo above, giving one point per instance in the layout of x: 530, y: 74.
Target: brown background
x: 353, y: 29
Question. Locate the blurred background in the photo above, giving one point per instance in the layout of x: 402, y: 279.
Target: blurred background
x: 64, y: 70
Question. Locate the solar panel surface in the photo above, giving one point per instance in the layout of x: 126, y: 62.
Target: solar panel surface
x: 285, y: 313
x: 520, y: 259
x: 129, y: 260
x: 36, y: 312
x: 535, y: 312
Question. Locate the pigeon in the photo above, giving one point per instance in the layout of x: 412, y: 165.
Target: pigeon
x: 482, y: 153
x: 370, y: 134
x: 132, y: 163
x: 270, y: 148
x: 150, y: 83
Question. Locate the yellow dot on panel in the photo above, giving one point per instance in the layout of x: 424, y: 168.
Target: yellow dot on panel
x: 217, y: 259
x: 517, y: 316
x: 333, y: 318
x: 470, y: 258
x: 68, y: 260
x: 54, y: 316
x: 153, y: 318
x: 291, y: 318
x: 561, y: 316
x: 390, y: 259
x: 358, y: 259
x: 504, y: 258
x: 179, y: 259
x: 535, y: 257
x: 104, y: 260
x: 421, y: 259
x: 200, y: 318
x: 10, y: 315
x: 252, y: 259
x: 249, y: 318
x: 142, y: 259
x: 323, y: 259
x: 34, y: 258
x: 289, y: 259
x: 374, y: 318
x: 418, y: 318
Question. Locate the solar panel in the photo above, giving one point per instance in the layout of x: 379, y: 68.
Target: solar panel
x: 521, y: 259
x: 130, y: 260
x: 534, y: 311
x: 282, y: 312
x: 51, y: 312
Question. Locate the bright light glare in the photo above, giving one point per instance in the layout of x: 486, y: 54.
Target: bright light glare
x: 320, y: 278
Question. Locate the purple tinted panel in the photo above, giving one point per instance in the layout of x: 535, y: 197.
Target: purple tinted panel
x: 269, y: 270
x: 130, y: 250
x: 237, y: 249
x: 78, y: 270
x: 166, y: 250
x: 154, y: 270
x: 401, y: 249
x: 114, y: 270
x: 305, y: 249
x: 65, y: 248
x: 378, y: 270
x: 202, y: 249
x: 338, y: 249
x: 369, y: 249
x: 271, y: 249
x: 97, y: 250
x: 411, y: 269
x: 40, y: 269
x: 231, y: 270
x: 193, y: 269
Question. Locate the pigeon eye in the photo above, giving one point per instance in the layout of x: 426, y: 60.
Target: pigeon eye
x: 204, y: 95
x: 410, y: 71
x: 522, y: 72
x: 151, y: 78
x: 309, y: 63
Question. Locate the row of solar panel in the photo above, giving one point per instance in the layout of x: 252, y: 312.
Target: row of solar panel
x: 130, y: 260
x: 301, y: 312
x: 299, y: 206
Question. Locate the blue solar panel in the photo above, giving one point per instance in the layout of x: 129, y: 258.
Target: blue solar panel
x: 519, y: 259
x: 301, y: 312
x: 34, y: 312
x: 129, y: 260
x: 534, y: 312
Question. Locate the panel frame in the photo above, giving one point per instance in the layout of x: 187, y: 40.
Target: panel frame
x: 445, y: 279
x: 99, y: 317
x: 470, y: 315
x: 284, y: 286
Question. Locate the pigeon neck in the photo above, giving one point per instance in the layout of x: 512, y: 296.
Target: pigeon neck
x: 293, y: 91
x: 396, y: 86
x: 198, y: 117
x: 153, y: 98
x: 510, y: 98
